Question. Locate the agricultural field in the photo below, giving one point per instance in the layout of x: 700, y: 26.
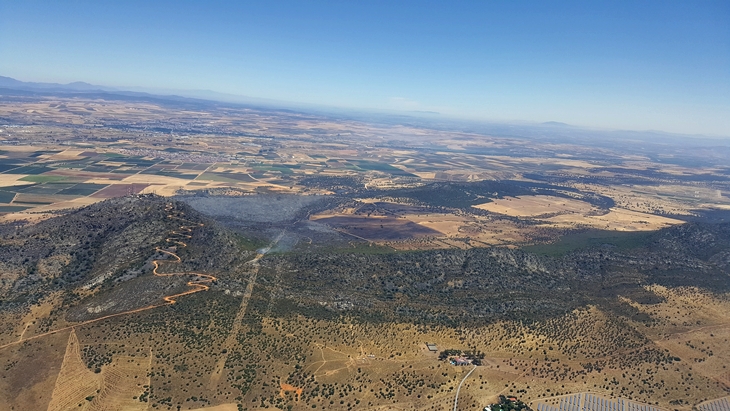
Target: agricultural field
x: 183, y: 255
x: 127, y: 147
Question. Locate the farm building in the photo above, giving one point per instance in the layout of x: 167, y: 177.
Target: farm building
x: 460, y: 361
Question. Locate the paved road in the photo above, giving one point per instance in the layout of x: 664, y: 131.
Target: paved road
x: 456, y: 399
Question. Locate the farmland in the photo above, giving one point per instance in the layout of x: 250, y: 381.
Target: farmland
x: 186, y: 255
x: 108, y: 148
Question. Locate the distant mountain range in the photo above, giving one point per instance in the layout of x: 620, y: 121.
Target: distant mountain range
x: 11, y: 83
x: 82, y: 87
x: 546, y: 130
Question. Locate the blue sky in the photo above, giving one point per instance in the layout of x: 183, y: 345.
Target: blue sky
x: 661, y: 65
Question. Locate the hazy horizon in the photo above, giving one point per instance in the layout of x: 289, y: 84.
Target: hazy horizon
x: 622, y: 66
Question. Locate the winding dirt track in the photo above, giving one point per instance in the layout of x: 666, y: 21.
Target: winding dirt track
x: 196, y: 285
x: 185, y: 232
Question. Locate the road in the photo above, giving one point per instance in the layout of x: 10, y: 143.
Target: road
x: 175, y: 238
x: 456, y: 398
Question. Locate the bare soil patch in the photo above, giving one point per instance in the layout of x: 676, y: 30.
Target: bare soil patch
x: 534, y: 206
x: 29, y: 373
x: 379, y: 229
x: 559, y: 212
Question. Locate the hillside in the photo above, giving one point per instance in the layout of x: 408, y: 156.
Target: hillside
x: 105, y: 249
x: 142, y: 301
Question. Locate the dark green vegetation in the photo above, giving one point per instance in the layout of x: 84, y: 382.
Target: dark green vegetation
x: 475, y: 357
x: 63, y: 253
x: 305, y: 300
x: 483, y: 285
x: 585, y: 239
x: 465, y: 195
x: 456, y: 195
x: 438, y: 286
x: 509, y: 404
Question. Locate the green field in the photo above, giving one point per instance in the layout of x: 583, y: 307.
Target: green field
x: 114, y: 156
x: 239, y: 177
x: 44, y: 179
x: 216, y: 177
x: 281, y: 169
x: 195, y: 166
x: 383, y: 167
x: 72, y: 163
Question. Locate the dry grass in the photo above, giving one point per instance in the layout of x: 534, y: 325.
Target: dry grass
x: 117, y: 387
x: 534, y: 206
x: 617, y: 219
x: 479, y: 229
x: 364, y: 353
x: 30, y: 372
x: 558, y: 212
x: 695, y: 326
x: 123, y: 382
x: 12, y: 180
